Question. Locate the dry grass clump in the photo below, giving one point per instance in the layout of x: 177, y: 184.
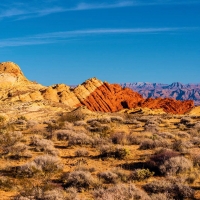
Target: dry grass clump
x: 121, y: 192
x: 81, y: 153
x: 119, y: 138
x: 175, y: 165
x: 108, y: 177
x: 159, y: 158
x: 141, y: 174
x: 79, y: 139
x: 148, y: 143
x: 175, y: 189
x: 118, y: 152
x: 182, y: 146
x: 79, y: 179
x: 42, y: 193
x: 74, y: 138
x: 45, y: 165
x: 43, y: 145
x: 12, y: 147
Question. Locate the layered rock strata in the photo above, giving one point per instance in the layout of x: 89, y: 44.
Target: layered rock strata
x: 93, y: 93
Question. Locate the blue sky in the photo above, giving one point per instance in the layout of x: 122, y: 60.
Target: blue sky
x: 69, y: 41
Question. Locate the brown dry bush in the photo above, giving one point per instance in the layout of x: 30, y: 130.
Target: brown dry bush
x: 119, y: 138
x: 43, y: 145
x: 117, y: 152
x: 159, y: 159
x: 45, y: 165
x: 120, y: 192
x: 79, y: 179
x: 176, y: 189
x: 175, y: 165
x: 80, y: 139
x: 108, y: 177
x: 41, y: 193
x: 81, y: 153
x: 141, y: 174
x: 153, y: 143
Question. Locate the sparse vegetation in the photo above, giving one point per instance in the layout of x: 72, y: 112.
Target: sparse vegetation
x: 102, y: 156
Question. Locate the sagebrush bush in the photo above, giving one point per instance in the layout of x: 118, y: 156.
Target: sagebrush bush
x: 159, y: 159
x: 40, y: 193
x: 121, y: 192
x: 141, y: 174
x: 41, y: 165
x: 108, y: 177
x: 44, y: 145
x: 81, y: 153
x: 153, y: 143
x: 80, y: 139
x: 119, y: 138
x: 115, y: 152
x: 175, y: 165
x: 175, y: 189
x: 79, y: 179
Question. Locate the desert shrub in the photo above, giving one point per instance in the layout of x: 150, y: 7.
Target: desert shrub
x: 185, y: 120
x: 159, y: 159
x: 41, y: 193
x: 108, y: 177
x: 153, y: 143
x: 9, y: 139
x: 44, y: 145
x: 101, y: 128
x: 81, y: 153
x: 175, y: 189
x: 43, y: 165
x: 182, y: 127
x: 99, y: 141
x: 63, y: 134
x: 195, y: 141
x: 72, y: 117
x: 80, y: 139
x: 121, y: 192
x: 79, y: 179
x: 182, y: 146
x: 103, y: 120
x: 175, y: 165
x: 6, y: 183
x: 19, y: 150
x: 151, y: 128
x: 119, y: 138
x: 122, y: 175
x: 115, y: 152
x: 116, y: 119
x: 166, y: 135
x: 183, y: 135
x: 161, y: 196
x: 80, y: 123
x: 141, y: 174
x: 196, y: 160
x: 132, y: 139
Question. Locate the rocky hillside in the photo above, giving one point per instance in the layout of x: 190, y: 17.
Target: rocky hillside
x: 175, y: 90
x: 93, y: 93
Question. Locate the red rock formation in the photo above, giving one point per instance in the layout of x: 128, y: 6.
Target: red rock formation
x: 112, y: 98
x: 169, y: 105
x: 93, y: 93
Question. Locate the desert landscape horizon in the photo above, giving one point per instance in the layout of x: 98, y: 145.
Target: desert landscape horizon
x: 95, y: 141
x: 100, y: 100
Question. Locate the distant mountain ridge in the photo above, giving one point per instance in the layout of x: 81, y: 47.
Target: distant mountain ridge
x: 175, y: 90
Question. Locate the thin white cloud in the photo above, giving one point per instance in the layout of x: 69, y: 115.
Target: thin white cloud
x: 57, y: 37
x: 21, y: 11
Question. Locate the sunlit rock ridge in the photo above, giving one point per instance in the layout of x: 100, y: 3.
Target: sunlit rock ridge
x: 93, y: 93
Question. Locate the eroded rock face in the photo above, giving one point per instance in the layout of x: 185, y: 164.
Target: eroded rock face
x: 93, y: 93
